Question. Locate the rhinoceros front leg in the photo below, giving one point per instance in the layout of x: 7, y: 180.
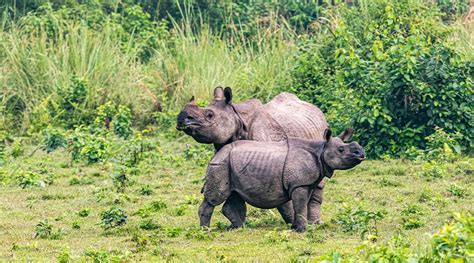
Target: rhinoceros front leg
x: 300, y: 197
x: 314, y: 205
x: 287, y: 212
x: 205, y: 213
x: 235, y: 210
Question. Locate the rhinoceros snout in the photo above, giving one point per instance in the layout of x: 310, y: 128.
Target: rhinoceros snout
x: 180, y: 122
x: 359, y: 154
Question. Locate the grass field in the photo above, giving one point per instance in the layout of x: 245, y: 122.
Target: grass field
x: 162, y: 199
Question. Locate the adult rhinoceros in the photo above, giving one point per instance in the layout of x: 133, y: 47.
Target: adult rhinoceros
x: 223, y: 122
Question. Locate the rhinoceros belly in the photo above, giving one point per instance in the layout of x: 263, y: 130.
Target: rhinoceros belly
x: 257, y: 172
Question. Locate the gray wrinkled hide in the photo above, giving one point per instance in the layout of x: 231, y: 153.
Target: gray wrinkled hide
x: 264, y: 174
x: 284, y: 116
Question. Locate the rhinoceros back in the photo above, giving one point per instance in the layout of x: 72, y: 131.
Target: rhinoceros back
x: 287, y: 116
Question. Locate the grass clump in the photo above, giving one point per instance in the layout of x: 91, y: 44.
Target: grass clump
x: 113, y: 217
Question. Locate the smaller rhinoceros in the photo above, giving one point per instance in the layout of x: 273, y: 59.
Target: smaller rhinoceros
x: 268, y: 174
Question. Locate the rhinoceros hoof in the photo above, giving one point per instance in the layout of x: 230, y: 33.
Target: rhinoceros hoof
x: 299, y: 228
x: 233, y: 227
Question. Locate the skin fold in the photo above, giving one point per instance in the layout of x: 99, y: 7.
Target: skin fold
x: 223, y: 122
x: 270, y: 174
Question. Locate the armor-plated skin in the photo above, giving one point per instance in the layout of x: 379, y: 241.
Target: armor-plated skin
x: 269, y: 174
x: 224, y: 122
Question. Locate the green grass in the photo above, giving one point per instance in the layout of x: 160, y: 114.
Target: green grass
x: 35, y: 68
x: 163, y: 223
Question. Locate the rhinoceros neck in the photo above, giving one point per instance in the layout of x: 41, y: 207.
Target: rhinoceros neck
x: 246, y: 110
x: 316, y: 148
x: 244, y: 113
x: 326, y: 170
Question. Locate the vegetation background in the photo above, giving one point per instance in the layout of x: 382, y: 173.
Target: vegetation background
x: 89, y: 92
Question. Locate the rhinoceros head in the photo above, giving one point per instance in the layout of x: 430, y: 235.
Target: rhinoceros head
x: 340, y: 155
x: 217, y: 123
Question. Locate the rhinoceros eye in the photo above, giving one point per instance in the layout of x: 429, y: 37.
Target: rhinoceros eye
x: 340, y: 149
x: 209, y: 114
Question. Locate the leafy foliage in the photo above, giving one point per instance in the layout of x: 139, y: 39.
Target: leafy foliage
x: 116, y: 117
x: 454, y: 240
x: 44, y: 230
x: 391, y: 77
x: 53, y: 139
x: 353, y: 219
x: 113, y: 217
x: 87, y: 146
x: 32, y: 179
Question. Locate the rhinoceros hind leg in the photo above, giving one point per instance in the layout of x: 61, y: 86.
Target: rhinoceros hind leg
x: 314, y: 205
x: 205, y: 213
x: 287, y: 212
x: 300, y: 197
x: 235, y: 210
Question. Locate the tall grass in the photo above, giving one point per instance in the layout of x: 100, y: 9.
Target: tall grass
x: 36, y: 66
x: 195, y: 63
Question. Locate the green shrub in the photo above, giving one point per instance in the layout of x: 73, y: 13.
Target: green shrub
x: 71, y: 106
x: 173, y: 231
x: 394, y: 79
x: 153, y: 207
x: 145, y: 190
x: 84, y: 212
x: 44, y: 230
x: 83, y: 145
x: 116, y: 117
x: 458, y: 191
x: 411, y: 216
x: 53, y: 139
x: 32, y: 179
x: 432, y: 170
x: 113, y: 217
x: 149, y: 224
x: 455, y: 240
x: 64, y: 256
x: 353, y: 219
x: 16, y: 149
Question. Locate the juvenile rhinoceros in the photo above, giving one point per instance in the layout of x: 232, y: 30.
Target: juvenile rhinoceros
x: 269, y: 174
x: 223, y: 122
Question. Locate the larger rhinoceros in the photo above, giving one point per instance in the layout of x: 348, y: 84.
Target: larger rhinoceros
x: 223, y: 122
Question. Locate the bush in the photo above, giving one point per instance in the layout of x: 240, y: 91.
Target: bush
x: 53, y: 139
x: 394, y: 79
x: 411, y: 216
x: 32, y: 179
x: 45, y: 230
x: 113, y: 217
x: 83, y: 145
x: 117, y: 117
x: 353, y: 219
x: 454, y: 240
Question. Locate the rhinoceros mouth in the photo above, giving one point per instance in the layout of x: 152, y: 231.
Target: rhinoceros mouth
x: 189, y: 126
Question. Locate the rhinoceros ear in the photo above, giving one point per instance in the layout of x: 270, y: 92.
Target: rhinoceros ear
x: 218, y: 93
x: 192, y: 101
x: 346, y: 135
x: 228, y: 94
x: 327, y: 134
